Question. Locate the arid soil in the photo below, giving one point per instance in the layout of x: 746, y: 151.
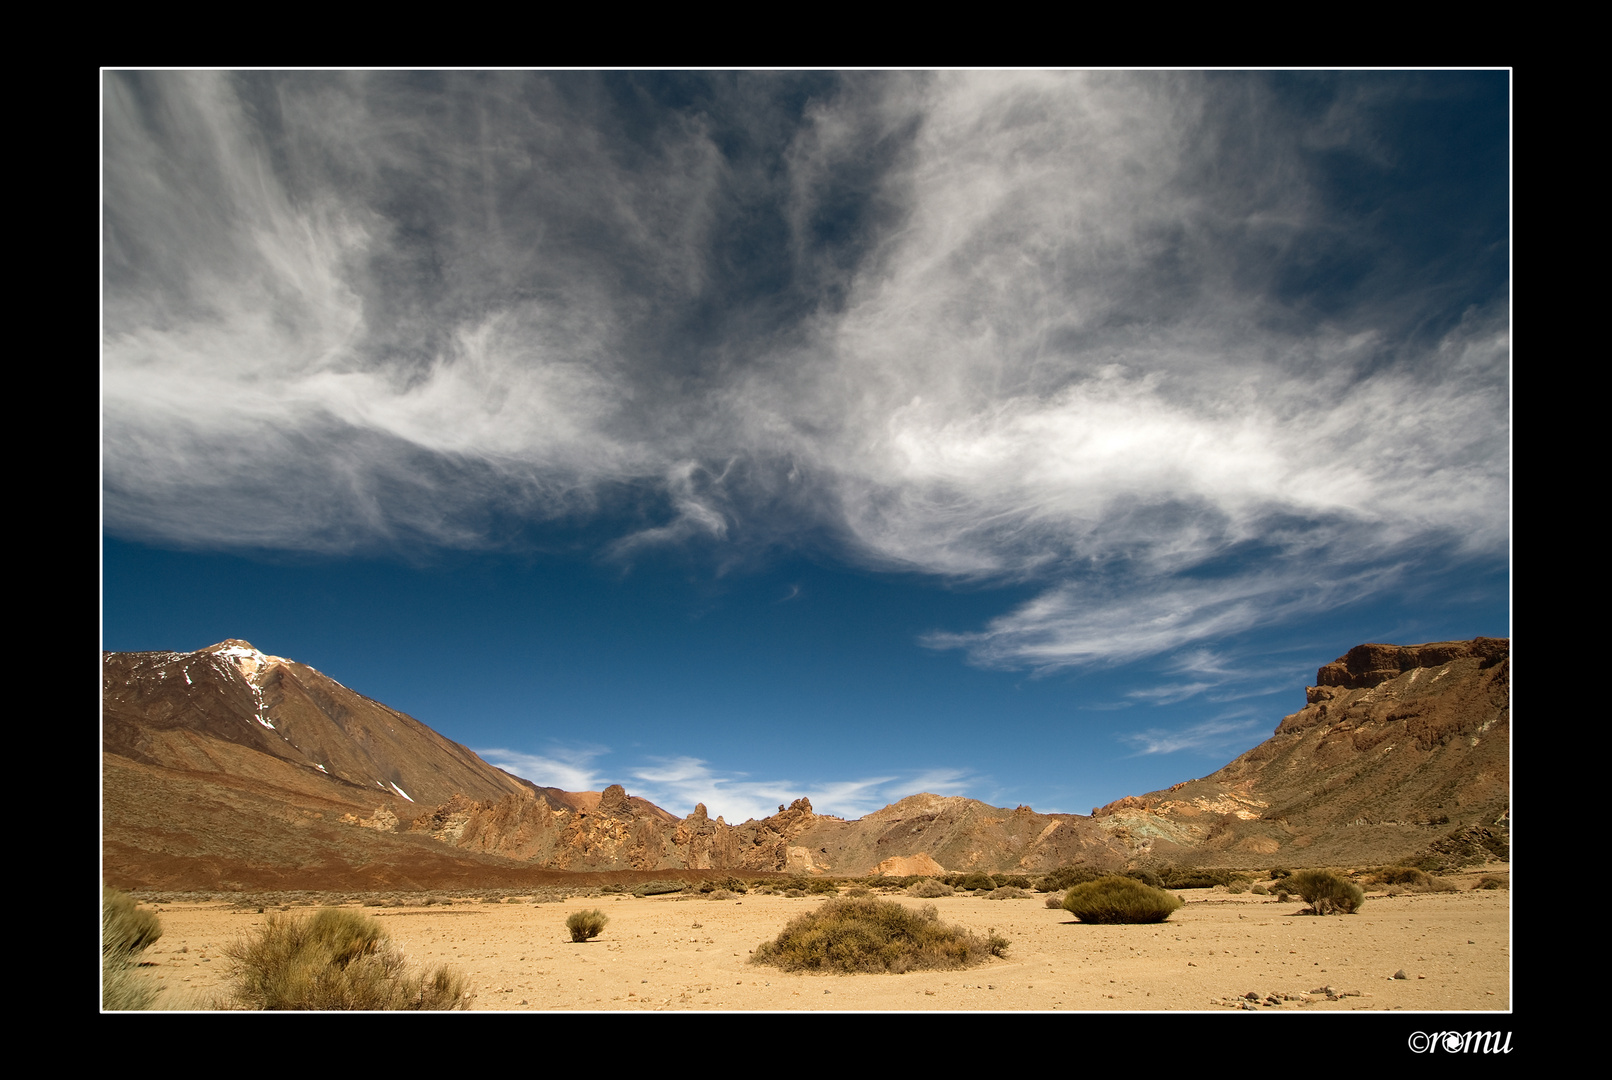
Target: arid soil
x: 673, y: 953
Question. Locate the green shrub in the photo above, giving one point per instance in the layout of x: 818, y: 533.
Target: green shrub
x: 1197, y: 877
x: 586, y: 924
x: 1119, y: 899
x: 657, y: 888
x: 1401, y: 875
x: 975, y: 882
x: 928, y: 889
x: 1260, y: 890
x: 334, y: 959
x: 126, y: 931
x: 853, y: 934
x: 822, y: 886
x: 1327, y: 893
x: 1066, y: 877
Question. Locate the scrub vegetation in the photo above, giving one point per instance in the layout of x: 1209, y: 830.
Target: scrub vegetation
x: 862, y: 934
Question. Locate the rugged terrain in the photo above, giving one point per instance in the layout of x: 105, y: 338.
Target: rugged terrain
x: 228, y: 768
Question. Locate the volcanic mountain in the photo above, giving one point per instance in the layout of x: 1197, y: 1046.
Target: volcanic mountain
x: 227, y: 768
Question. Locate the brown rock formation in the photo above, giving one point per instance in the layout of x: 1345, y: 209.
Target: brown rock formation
x: 227, y: 765
x: 1396, y: 745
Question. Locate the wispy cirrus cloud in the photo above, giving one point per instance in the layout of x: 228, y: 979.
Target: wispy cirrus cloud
x: 1209, y: 737
x: 566, y: 768
x: 1117, y: 335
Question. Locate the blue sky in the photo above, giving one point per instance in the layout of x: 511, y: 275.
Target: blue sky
x: 738, y: 436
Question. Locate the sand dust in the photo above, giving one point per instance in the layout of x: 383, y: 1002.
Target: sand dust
x: 665, y: 953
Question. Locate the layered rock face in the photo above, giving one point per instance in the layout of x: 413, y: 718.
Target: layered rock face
x: 1396, y: 747
x: 228, y: 757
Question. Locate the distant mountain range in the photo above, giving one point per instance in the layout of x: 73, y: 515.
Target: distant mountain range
x: 228, y: 768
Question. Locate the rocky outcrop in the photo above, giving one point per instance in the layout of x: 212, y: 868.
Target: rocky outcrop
x: 1394, y: 746
x: 1398, y: 749
x: 1365, y: 666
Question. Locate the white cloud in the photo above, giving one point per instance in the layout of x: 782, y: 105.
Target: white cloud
x: 676, y: 784
x: 1050, y: 346
x: 1212, y: 737
x: 569, y: 769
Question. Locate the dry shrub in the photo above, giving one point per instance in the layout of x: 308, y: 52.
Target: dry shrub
x: 1055, y: 900
x: 1489, y: 881
x: 928, y: 889
x: 657, y: 888
x: 126, y: 931
x: 1326, y: 892
x: 1119, y: 900
x: 334, y: 960
x: 586, y: 924
x: 1009, y: 892
x: 864, y: 934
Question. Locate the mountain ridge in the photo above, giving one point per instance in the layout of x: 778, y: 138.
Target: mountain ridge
x: 1394, y: 743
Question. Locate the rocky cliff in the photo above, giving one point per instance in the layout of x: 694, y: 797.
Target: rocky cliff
x: 1396, y: 748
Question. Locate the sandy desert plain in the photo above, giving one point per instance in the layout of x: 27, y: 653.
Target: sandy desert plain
x: 692, y: 953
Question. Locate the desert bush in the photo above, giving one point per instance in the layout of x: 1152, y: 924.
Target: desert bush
x: 974, y: 883
x: 586, y: 924
x: 854, y: 934
x: 1400, y: 875
x: 1327, y: 893
x: 928, y: 889
x: 1119, y: 899
x: 1260, y: 890
x: 126, y: 928
x: 822, y: 887
x: 1489, y: 881
x: 720, y: 894
x: 657, y: 888
x: 1066, y: 877
x: 1008, y: 892
x: 126, y: 931
x: 859, y: 890
x: 1196, y: 877
x: 1055, y: 900
x: 334, y: 960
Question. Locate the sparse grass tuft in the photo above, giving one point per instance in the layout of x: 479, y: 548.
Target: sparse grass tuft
x: 1119, y: 900
x: 586, y: 924
x: 857, y: 934
x: 126, y: 931
x: 334, y: 959
x: 1327, y: 893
